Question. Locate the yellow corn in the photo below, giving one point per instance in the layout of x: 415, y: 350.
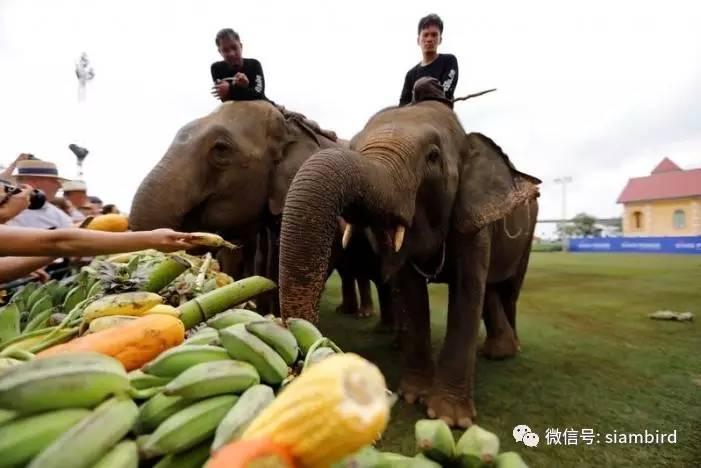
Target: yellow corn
x: 331, y: 410
x: 130, y: 303
x: 211, y: 240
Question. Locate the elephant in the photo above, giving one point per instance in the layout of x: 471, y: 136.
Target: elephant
x: 442, y: 206
x: 228, y: 172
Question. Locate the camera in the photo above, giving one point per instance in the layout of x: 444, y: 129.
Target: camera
x: 37, y: 198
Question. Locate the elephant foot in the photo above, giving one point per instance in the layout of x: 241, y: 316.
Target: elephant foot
x: 364, y: 312
x: 342, y: 309
x: 415, y: 386
x: 501, y: 347
x: 455, y: 410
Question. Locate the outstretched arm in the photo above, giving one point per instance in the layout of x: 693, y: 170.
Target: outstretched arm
x: 82, y: 242
x: 12, y: 268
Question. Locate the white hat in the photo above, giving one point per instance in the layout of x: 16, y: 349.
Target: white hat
x: 75, y: 186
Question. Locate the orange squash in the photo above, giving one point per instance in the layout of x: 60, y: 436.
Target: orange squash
x: 259, y: 453
x: 109, y: 222
x: 134, y: 343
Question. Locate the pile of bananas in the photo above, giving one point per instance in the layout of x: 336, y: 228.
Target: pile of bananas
x: 436, y: 448
x: 83, y: 409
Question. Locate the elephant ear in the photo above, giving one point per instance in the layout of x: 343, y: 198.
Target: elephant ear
x: 296, y: 146
x: 490, y: 186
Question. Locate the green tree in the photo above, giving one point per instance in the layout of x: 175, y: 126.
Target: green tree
x: 584, y: 224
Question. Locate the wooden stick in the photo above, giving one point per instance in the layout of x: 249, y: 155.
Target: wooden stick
x: 464, y: 98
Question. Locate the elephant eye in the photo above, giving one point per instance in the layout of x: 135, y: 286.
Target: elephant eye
x: 433, y: 156
x: 220, y: 152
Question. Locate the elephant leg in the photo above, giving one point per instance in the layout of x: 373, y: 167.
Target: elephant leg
x: 350, y: 299
x: 365, y: 291
x: 412, y: 297
x: 512, y: 290
x: 451, y: 398
x: 500, y: 342
x: 387, y: 313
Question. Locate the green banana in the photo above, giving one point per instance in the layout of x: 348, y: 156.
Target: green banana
x: 366, y: 457
x: 213, y: 378
x: 205, y: 336
x: 510, y: 460
x: 123, y: 455
x: 319, y: 354
x: 35, y: 296
x: 477, y: 445
x: 252, y: 402
x: 26, y: 340
x: 44, y: 303
x: 60, y: 336
x: 58, y: 293
x: 74, y: 297
x: 67, y: 380
x: 188, y: 427
x: 22, y: 439
x: 277, y: 337
x: 232, y: 317
x: 395, y: 460
x: 87, y: 442
x: 7, y: 362
x: 7, y: 415
x: 304, y: 332
x: 21, y: 297
x: 434, y: 439
x: 39, y: 321
x: 422, y: 461
x: 156, y: 410
x: 193, y: 458
x: 245, y: 346
x: 175, y: 360
x: 140, y: 380
x: 9, y: 322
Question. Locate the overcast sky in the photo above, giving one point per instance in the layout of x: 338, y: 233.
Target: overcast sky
x: 597, y: 90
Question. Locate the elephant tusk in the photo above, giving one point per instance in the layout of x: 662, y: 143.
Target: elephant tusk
x: 347, y: 233
x: 398, y: 238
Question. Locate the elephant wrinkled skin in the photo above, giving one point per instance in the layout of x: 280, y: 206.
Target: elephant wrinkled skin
x: 441, y: 206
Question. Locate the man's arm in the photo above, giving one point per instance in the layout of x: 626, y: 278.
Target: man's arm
x: 82, y: 242
x: 12, y: 268
x: 449, y: 77
x: 256, y: 85
x: 405, y: 97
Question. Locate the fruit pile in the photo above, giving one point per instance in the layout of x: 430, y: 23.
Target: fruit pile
x: 436, y: 447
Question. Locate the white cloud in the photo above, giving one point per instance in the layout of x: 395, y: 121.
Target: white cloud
x: 597, y: 90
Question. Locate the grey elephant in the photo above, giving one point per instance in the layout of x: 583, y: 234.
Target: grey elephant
x: 229, y: 172
x: 443, y: 206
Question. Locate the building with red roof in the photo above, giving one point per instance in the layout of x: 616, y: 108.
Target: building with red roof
x: 665, y: 203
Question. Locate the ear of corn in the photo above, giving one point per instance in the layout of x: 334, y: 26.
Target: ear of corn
x: 209, y: 239
x: 344, y: 388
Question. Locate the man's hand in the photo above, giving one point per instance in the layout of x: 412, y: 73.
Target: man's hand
x: 221, y: 89
x: 240, y: 80
x: 40, y: 275
x: 167, y: 240
x: 15, y: 204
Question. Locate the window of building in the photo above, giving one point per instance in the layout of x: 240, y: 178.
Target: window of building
x: 637, y: 219
x: 679, y: 219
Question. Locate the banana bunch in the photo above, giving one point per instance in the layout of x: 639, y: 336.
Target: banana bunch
x: 476, y: 448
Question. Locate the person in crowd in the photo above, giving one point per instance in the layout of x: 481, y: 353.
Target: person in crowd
x: 96, y: 203
x: 76, y: 192
x: 443, y: 67
x: 110, y: 209
x: 64, y: 205
x: 42, y: 175
x: 236, y: 78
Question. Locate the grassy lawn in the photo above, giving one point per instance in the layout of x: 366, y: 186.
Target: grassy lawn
x: 590, y: 358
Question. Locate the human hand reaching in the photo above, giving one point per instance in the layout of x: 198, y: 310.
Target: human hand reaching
x: 221, y: 89
x: 167, y: 240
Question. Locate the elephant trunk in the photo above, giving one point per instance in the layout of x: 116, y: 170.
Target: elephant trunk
x: 325, y: 185
x: 163, y: 198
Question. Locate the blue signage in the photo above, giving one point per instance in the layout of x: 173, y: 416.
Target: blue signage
x: 682, y: 245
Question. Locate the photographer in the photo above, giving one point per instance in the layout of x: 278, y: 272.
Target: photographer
x: 12, y: 204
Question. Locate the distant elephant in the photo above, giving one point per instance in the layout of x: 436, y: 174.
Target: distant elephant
x: 442, y: 206
x: 229, y: 172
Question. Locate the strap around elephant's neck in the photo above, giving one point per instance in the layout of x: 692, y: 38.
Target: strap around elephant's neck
x: 432, y: 276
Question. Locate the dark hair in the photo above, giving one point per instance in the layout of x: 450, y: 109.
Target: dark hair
x: 94, y: 199
x: 227, y: 33
x: 431, y: 20
x: 107, y: 209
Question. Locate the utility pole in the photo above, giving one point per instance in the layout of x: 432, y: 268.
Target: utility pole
x: 564, y: 181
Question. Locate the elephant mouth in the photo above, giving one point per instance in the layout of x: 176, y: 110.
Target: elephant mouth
x: 383, y: 239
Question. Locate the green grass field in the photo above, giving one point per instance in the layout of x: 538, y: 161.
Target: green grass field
x: 590, y: 359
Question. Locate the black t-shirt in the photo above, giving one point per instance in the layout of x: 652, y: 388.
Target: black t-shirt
x: 253, y: 71
x: 444, y: 68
